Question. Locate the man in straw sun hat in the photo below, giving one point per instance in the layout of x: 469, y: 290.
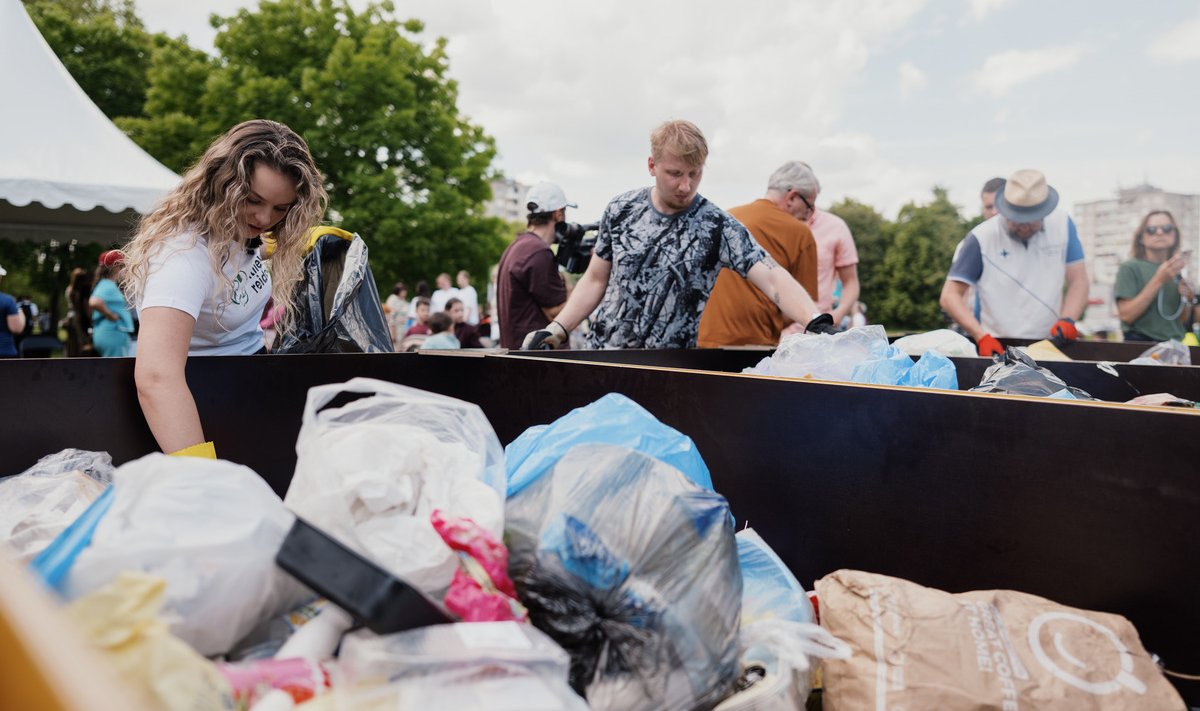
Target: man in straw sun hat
x: 1019, y: 261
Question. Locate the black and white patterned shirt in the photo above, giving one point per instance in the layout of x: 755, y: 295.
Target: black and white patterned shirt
x: 663, y: 269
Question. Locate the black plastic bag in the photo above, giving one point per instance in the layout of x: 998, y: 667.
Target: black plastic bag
x: 337, y: 304
x: 1019, y: 374
x: 633, y: 569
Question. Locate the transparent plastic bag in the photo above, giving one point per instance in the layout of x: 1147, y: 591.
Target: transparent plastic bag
x: 1018, y: 374
x: 1170, y: 352
x: 367, y: 658
x: 633, y: 569
x: 370, y: 473
x: 38, y: 504
x: 769, y: 590
x: 488, y: 687
x: 337, y: 303
x: 613, y: 419
x: 823, y: 356
x: 211, y: 529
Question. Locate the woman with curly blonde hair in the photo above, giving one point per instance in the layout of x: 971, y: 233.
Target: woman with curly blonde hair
x: 195, y: 270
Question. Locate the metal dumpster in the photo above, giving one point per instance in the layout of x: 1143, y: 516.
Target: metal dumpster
x: 1090, y: 504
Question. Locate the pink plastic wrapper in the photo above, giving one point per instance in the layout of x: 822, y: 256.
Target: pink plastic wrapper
x: 303, y: 679
x: 481, y: 590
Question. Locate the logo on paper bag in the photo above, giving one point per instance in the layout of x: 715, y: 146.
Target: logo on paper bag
x: 1050, y: 651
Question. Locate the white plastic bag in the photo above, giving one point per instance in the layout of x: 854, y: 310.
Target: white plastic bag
x: 822, y: 356
x: 36, y: 505
x: 370, y: 473
x: 1170, y: 352
x: 942, y: 340
x: 211, y: 529
x: 778, y: 659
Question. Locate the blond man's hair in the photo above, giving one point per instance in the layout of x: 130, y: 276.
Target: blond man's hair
x: 681, y: 139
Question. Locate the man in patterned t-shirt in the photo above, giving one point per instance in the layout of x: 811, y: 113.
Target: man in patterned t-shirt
x: 658, y: 253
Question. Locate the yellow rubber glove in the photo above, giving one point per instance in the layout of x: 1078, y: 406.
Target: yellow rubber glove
x: 268, y: 245
x: 1190, y: 339
x: 204, y: 450
x: 320, y: 231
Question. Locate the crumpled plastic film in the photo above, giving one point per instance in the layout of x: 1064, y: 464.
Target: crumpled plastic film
x: 39, y: 503
x: 338, y: 309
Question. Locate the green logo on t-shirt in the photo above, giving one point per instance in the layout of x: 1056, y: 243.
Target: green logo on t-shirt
x: 239, y: 296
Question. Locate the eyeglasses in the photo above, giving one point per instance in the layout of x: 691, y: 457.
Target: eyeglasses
x: 803, y: 199
x: 1159, y: 229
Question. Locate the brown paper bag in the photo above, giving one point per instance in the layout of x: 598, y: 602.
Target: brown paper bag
x: 919, y: 648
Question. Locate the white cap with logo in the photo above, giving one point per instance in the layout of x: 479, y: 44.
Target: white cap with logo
x: 546, y: 197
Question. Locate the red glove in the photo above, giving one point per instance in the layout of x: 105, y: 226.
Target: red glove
x: 1064, y: 328
x: 989, y: 346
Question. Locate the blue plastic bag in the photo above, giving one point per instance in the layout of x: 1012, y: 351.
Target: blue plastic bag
x: 891, y: 366
x: 613, y: 419
x: 769, y: 590
x: 886, y: 366
x: 933, y: 370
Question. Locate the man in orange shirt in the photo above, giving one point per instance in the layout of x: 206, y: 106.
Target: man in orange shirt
x: 738, y: 313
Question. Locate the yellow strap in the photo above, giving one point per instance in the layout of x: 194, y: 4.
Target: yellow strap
x: 320, y: 231
x: 204, y: 450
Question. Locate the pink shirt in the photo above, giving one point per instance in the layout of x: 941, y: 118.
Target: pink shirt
x: 835, y: 249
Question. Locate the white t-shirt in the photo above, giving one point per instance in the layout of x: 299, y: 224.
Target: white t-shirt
x: 181, y: 277
x: 437, y: 302
x: 470, y: 299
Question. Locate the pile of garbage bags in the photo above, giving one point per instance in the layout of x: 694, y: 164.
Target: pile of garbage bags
x: 859, y: 355
x: 415, y: 564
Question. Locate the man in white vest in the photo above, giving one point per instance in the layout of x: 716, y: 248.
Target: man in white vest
x: 1019, y: 262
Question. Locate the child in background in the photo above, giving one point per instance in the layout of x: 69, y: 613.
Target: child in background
x: 440, y: 337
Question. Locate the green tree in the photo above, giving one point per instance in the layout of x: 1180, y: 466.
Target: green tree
x: 914, y: 267
x: 104, y: 46
x: 403, y: 166
x: 872, y: 236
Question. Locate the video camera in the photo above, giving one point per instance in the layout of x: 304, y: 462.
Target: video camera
x: 575, y: 244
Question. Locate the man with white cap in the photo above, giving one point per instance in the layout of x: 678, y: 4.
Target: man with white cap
x: 12, y: 321
x: 529, y: 289
x: 1019, y: 261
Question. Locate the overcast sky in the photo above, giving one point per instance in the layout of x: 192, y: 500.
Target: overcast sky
x: 884, y: 98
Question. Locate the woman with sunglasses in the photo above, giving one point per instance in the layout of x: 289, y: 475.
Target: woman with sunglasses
x: 1155, y: 303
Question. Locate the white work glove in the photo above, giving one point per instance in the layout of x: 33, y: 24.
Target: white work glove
x: 546, y: 339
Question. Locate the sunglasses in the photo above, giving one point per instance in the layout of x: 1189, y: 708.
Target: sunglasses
x: 1160, y: 229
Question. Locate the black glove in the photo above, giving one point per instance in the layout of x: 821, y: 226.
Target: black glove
x: 821, y: 324
x: 546, y: 339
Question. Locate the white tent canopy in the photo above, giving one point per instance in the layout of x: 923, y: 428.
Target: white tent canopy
x: 66, y: 171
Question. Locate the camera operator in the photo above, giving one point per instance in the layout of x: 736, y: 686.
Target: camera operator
x: 529, y: 289
x: 658, y: 253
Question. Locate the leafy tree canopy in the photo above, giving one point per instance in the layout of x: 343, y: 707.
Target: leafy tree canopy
x: 404, y: 167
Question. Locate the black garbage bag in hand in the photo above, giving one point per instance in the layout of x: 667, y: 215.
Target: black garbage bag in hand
x: 1019, y: 374
x: 633, y: 569
x: 337, y: 304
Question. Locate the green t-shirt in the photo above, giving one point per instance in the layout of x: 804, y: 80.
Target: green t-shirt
x: 1132, y: 277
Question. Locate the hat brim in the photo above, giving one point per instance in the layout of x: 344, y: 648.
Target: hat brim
x: 1033, y: 213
